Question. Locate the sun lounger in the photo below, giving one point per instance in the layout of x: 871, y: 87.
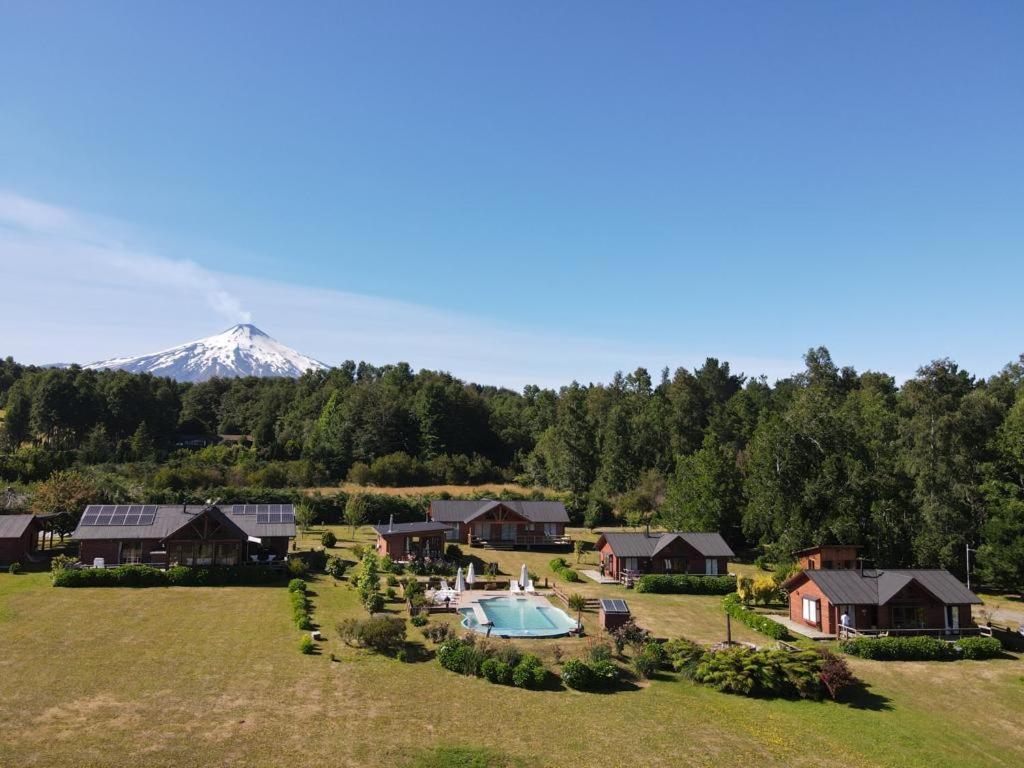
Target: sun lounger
x: 513, y: 587
x: 530, y: 589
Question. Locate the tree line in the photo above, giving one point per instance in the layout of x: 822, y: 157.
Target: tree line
x: 916, y: 472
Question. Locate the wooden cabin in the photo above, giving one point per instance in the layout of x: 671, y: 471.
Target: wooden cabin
x: 411, y: 541
x: 829, y: 556
x: 502, y: 524
x: 899, y: 601
x: 19, y: 538
x: 630, y: 555
x: 191, y: 535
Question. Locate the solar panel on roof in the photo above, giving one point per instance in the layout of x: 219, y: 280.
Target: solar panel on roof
x: 614, y: 606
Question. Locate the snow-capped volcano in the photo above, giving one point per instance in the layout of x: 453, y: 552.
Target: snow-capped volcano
x: 242, y: 350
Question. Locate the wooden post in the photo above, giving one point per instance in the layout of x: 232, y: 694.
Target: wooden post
x: 728, y: 629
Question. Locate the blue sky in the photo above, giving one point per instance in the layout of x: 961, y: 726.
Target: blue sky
x: 527, y: 192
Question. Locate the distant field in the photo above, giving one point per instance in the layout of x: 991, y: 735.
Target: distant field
x: 433, y: 490
x: 183, y: 677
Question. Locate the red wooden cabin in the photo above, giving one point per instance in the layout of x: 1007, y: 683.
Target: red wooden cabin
x: 634, y: 554
x: 410, y: 541
x: 502, y: 524
x: 19, y: 537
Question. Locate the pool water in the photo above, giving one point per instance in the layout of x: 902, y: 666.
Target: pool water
x: 519, y: 617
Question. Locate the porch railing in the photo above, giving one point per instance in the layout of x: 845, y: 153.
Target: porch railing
x: 846, y: 633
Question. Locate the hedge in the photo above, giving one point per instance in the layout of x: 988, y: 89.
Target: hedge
x: 736, y: 609
x: 561, y: 567
x: 921, y: 648
x: 683, y: 584
x: 178, y: 576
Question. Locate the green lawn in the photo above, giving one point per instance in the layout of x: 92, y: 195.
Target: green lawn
x: 212, y: 676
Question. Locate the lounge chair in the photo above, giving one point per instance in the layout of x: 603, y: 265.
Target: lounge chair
x: 530, y: 589
x: 98, y: 562
x: 513, y: 587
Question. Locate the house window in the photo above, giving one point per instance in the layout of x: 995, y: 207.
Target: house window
x: 181, y: 554
x: 668, y: 565
x: 131, y: 552
x: 810, y: 610
x: 452, y: 534
x: 204, y: 553
x: 550, y: 529
x: 227, y: 554
x: 711, y: 566
x: 907, y: 616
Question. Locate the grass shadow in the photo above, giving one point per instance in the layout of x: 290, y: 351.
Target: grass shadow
x: 860, y: 696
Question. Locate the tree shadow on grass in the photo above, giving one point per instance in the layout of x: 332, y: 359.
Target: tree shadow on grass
x: 860, y: 696
x: 417, y: 653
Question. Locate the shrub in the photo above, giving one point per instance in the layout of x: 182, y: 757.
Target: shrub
x: 306, y: 644
x: 336, y: 566
x: 767, y: 672
x: 576, y: 674
x: 979, y: 647
x: 835, y: 674
x: 61, y: 562
x: 14, y: 568
x: 178, y: 576
x: 296, y: 585
x: 529, y: 672
x: 439, y: 633
x: 509, y: 654
x: 419, y: 620
x: 383, y: 634
x: 453, y: 552
x: 685, y: 584
x: 921, y: 648
x: 683, y: 655
x: 651, y: 658
x: 460, y: 656
x: 496, y: 671
x: 735, y: 608
x: 373, y: 602
x: 603, y: 674
x: 328, y: 539
x: 298, y: 567
x: 300, y: 609
x: 630, y: 634
x: 599, y: 652
x: 561, y: 567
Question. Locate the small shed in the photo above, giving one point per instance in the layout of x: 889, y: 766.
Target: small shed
x: 612, y: 614
x: 19, y: 535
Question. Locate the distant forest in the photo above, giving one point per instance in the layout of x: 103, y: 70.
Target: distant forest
x: 916, y: 473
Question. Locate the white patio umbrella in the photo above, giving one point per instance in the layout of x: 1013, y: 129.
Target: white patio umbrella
x: 460, y: 581
x: 524, y: 576
x: 471, y: 575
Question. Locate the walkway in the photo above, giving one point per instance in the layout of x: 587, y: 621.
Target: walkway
x: 798, y: 628
x: 595, y: 576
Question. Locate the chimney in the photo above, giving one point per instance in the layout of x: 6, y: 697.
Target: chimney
x: 391, y: 522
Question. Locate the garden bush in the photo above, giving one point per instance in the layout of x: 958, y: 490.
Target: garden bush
x: 306, y: 645
x: 920, y: 648
x: 835, y: 673
x: 300, y: 609
x: 979, y: 647
x: 383, y: 634
x: 766, y: 672
x: 14, y: 569
x: 630, y: 634
x: 328, y: 539
x: 529, y: 672
x: 419, y: 620
x: 685, y: 584
x: 335, y: 567
x: 683, y: 655
x: 650, y: 660
x: 496, y: 671
x: 504, y: 665
x: 178, y: 576
x: 735, y: 608
x: 296, y: 585
x: 439, y: 633
x: 561, y: 567
x: 576, y: 674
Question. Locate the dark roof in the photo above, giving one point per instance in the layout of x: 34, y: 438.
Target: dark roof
x: 384, y: 529
x: 806, y: 550
x: 649, y: 544
x: 168, y: 519
x: 464, y: 510
x: 878, y: 587
x: 14, y: 526
x: 609, y: 605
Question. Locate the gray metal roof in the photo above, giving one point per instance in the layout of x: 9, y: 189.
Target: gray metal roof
x: 168, y: 519
x: 464, y: 510
x: 14, y: 526
x: 648, y: 545
x: 878, y: 587
x: 385, y: 529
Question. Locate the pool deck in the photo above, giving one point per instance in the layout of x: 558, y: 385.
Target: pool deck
x: 471, y: 599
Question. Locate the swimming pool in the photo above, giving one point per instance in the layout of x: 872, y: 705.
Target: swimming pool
x: 517, y: 617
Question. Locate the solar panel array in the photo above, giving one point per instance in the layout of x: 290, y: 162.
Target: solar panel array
x: 119, y: 514
x: 614, y: 606
x: 266, y: 514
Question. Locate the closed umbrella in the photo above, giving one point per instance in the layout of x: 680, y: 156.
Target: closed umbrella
x: 524, y: 576
x: 471, y: 576
x: 460, y: 582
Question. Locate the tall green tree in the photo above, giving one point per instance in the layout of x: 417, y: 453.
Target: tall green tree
x: 705, y: 493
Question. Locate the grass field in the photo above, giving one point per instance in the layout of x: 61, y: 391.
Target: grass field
x: 212, y: 676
